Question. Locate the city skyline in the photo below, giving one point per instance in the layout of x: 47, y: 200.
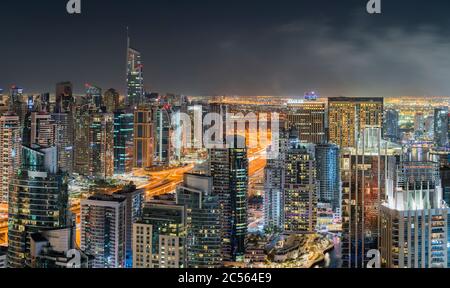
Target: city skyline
x: 143, y: 147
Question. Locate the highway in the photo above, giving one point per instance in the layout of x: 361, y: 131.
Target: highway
x: 161, y: 182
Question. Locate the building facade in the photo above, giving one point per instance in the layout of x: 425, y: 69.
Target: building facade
x: 103, y: 230
x: 38, y: 200
x: 229, y: 170
x: 414, y: 219
x: 300, y: 189
x: 309, y: 120
x: 159, y: 236
x: 347, y: 117
x: 366, y: 172
x: 203, y: 221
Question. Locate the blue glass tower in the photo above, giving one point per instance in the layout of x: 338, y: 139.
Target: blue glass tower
x: 123, y: 142
x: 328, y: 175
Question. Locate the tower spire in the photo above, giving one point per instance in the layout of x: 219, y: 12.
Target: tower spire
x: 128, y: 38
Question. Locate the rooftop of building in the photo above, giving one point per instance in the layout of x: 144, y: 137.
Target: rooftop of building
x: 107, y: 197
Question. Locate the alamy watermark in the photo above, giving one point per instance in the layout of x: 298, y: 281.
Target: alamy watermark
x: 374, y: 7
x: 233, y: 130
x: 73, y: 7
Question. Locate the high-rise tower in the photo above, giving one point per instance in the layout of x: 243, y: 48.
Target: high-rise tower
x: 135, y: 76
x: 229, y: 170
x: 38, y: 200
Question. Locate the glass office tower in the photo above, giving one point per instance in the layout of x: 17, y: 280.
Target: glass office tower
x: 38, y: 200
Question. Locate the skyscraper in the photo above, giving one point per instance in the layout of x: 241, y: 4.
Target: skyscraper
x: 101, y: 145
x: 328, y: 175
x: 347, y: 117
x: 203, y: 222
x: 103, y: 230
x: 64, y: 139
x: 38, y: 200
x: 159, y: 236
x: 143, y: 138
x: 15, y: 98
x: 162, y: 124
x: 300, y: 189
x: 135, y: 76
x: 43, y: 129
x: 366, y: 172
x: 308, y: 118
x: 10, y: 145
x: 419, y: 123
x: 391, y: 126
x: 64, y: 97
x: 133, y: 211
x: 229, y: 170
x: 81, y: 141
x: 123, y: 141
x: 441, y: 124
x: 111, y: 100
x: 274, y: 174
x: 94, y: 96
x: 414, y: 219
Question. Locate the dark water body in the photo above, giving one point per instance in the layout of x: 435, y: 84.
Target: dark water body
x: 333, y: 258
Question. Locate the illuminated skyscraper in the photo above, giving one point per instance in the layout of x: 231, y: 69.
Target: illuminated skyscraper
x: 159, y: 237
x: 101, y: 145
x: 64, y: 139
x: 18, y: 105
x: 133, y: 211
x: 143, y: 138
x: 229, y: 170
x: 135, y: 76
x: 274, y: 188
x: 441, y: 124
x: 123, y: 141
x: 328, y: 175
x: 16, y: 97
x: 347, y: 117
x: 419, y: 124
x: 366, y: 173
x: 94, y: 95
x: 38, y: 200
x: 94, y: 143
x: 43, y: 129
x: 64, y: 97
x: 103, y: 230
x: 203, y: 243
x: 162, y: 124
x: 391, y: 126
x: 111, y: 100
x: 300, y: 189
x: 414, y: 219
x: 10, y: 145
x: 81, y: 141
x: 308, y: 119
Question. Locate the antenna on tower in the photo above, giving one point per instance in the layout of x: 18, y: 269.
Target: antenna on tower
x: 128, y: 38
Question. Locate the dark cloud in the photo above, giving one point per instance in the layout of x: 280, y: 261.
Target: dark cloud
x: 232, y: 47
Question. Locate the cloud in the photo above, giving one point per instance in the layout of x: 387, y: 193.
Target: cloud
x: 291, y: 58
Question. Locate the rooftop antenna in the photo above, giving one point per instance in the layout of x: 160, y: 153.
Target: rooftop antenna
x: 128, y: 38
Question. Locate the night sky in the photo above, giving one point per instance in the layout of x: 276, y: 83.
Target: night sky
x: 242, y: 47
